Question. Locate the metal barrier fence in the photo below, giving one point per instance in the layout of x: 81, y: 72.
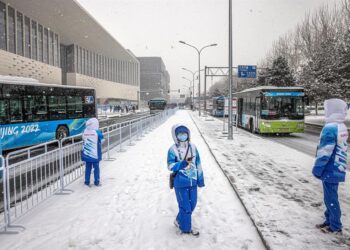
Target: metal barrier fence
x: 48, y: 168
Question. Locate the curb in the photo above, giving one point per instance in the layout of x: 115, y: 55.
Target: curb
x: 264, y: 241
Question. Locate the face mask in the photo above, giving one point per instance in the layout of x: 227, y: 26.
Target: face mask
x: 182, y: 137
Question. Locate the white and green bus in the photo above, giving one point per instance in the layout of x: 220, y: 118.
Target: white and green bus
x: 269, y: 109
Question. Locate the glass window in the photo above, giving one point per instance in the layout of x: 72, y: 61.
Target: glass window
x: 45, y: 46
x: 27, y: 51
x: 35, y: 108
x: 57, y: 107
x: 19, y: 33
x: 40, y: 44
x: 81, y: 63
x: 3, y: 111
x: 11, y: 30
x: 51, y: 49
x: 74, y: 107
x: 57, y: 51
x: 34, y: 41
x: 70, y: 58
x: 3, y: 26
x: 16, y: 110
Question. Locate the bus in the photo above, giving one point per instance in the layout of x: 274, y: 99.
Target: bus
x: 220, y: 104
x: 33, y: 113
x: 157, y: 105
x: 269, y: 109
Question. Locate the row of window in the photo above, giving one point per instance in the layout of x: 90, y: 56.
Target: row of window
x: 86, y: 62
x: 23, y: 36
x: 34, y: 108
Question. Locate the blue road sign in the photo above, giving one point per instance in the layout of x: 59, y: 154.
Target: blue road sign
x: 247, y: 71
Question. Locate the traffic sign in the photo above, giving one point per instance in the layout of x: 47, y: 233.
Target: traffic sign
x: 247, y: 71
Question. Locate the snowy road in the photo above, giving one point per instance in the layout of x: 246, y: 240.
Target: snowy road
x: 135, y: 209
x: 277, y: 187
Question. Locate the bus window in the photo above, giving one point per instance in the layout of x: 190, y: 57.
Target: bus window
x: 16, y: 111
x: 35, y: 108
x: 57, y: 107
x: 3, y: 111
x: 75, y: 107
x: 89, y: 110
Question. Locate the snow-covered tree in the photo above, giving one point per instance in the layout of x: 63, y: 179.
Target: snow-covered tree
x: 280, y: 74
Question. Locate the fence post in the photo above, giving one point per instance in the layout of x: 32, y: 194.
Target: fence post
x: 130, y: 133
x: 7, y: 202
x: 61, y: 156
x: 120, y: 139
x: 109, y: 128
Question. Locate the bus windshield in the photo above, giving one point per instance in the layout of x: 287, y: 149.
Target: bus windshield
x: 289, y: 107
x: 157, y: 104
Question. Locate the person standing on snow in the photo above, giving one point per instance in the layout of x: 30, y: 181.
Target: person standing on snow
x: 92, y: 152
x: 330, y: 164
x: 183, y: 158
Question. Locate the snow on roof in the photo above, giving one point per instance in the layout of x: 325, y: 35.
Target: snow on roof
x: 271, y: 88
x: 34, y: 82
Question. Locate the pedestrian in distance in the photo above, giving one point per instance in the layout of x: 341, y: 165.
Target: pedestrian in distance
x: 184, y: 160
x: 92, y: 150
x: 331, y: 160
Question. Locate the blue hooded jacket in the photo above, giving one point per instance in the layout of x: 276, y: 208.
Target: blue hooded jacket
x: 92, y: 137
x: 188, y: 175
x: 331, y: 157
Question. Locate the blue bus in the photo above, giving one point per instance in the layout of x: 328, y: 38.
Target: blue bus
x: 33, y: 113
x: 220, y: 104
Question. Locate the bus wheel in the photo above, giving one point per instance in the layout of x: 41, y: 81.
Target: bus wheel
x: 61, y: 132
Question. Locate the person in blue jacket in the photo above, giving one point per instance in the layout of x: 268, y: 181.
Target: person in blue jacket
x: 92, y: 152
x: 330, y: 163
x: 184, y: 159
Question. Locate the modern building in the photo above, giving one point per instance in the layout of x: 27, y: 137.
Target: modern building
x: 154, y: 78
x: 58, y: 42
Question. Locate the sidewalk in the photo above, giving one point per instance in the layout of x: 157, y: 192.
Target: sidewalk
x: 277, y: 188
x: 135, y: 209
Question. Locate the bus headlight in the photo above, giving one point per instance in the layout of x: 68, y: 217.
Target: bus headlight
x: 266, y: 124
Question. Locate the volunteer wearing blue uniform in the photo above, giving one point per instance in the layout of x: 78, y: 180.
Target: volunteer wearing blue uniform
x: 92, y: 153
x: 183, y: 158
x: 330, y: 164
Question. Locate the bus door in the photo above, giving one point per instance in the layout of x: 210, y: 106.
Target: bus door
x: 240, y: 111
x: 257, y: 112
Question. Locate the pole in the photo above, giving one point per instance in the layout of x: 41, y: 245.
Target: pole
x: 193, y: 91
x: 138, y: 100
x: 205, y: 91
x: 199, y: 83
x: 230, y: 132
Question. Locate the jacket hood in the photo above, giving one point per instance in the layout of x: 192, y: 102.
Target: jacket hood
x: 177, y: 126
x: 92, y: 124
x: 335, y: 110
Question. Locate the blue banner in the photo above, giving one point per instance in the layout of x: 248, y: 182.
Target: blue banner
x: 31, y: 133
x: 284, y: 93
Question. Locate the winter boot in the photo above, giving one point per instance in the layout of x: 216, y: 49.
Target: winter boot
x: 192, y: 232
x: 319, y: 226
x: 329, y: 230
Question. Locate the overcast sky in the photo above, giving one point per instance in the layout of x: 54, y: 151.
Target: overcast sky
x: 154, y: 27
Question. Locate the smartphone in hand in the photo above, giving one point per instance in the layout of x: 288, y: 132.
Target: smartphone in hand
x: 190, y: 158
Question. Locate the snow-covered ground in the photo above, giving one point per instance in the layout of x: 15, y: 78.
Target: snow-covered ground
x: 277, y: 187
x: 135, y: 209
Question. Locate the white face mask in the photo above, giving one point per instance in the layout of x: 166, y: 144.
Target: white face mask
x: 182, y: 137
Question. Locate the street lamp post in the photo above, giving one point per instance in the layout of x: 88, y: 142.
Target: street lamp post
x: 230, y: 130
x: 191, y: 93
x: 199, y: 69
x: 193, y: 77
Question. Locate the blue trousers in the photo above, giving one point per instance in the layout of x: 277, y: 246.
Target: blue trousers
x: 187, y: 200
x: 96, y: 166
x: 333, y: 212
